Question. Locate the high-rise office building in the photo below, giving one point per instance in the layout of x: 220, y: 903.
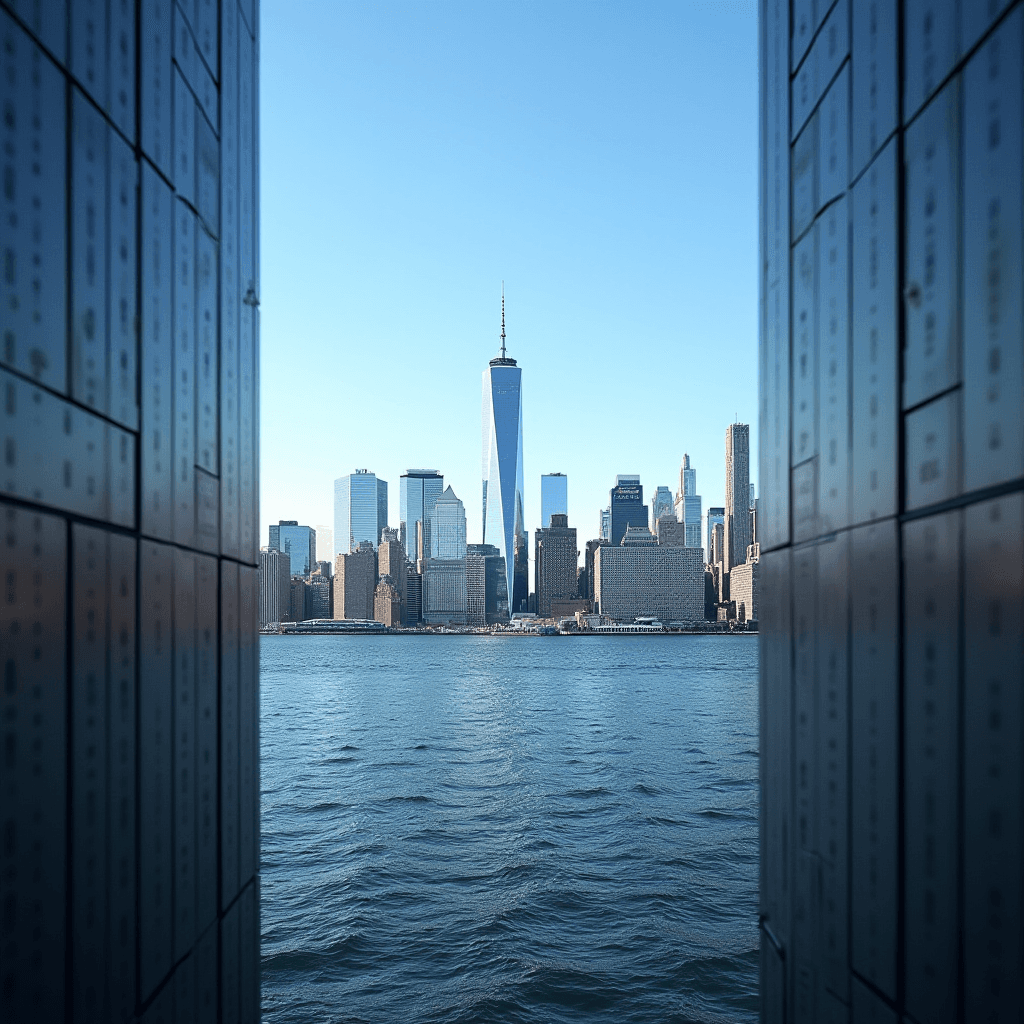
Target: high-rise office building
x: 445, y: 600
x: 418, y: 490
x: 716, y: 517
x: 554, y: 497
x: 626, y: 506
x: 688, y: 503
x: 605, y: 530
x: 129, y: 495
x: 392, y: 562
x: 298, y: 542
x: 661, y: 503
x: 891, y: 510
x: 319, y: 590
x: 448, y: 527
x: 274, y: 584
x: 325, y: 544
x: 502, y: 435
x: 360, y: 510
x: 737, y: 493
x: 555, y: 560
x: 495, y: 581
x: 387, y: 603
x: 355, y: 578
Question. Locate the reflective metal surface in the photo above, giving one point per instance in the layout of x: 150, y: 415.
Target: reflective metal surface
x: 156, y: 87
x: 875, y: 101
x: 929, y: 49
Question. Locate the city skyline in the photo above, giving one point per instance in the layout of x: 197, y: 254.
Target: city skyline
x: 615, y: 293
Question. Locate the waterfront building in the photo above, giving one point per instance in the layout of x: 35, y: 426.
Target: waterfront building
x: 586, y: 587
x: 298, y: 542
x: 627, y: 507
x: 743, y: 589
x: 448, y: 527
x: 445, y: 600
x: 555, y: 560
x: 737, y: 493
x: 476, y: 590
x: 554, y: 497
x: 319, y: 593
x: 297, y: 599
x: 360, y: 510
x: 392, y: 562
x: 274, y: 586
x: 688, y: 503
x: 495, y: 582
x: 643, y: 578
x: 355, y: 578
x: 413, y: 595
x: 502, y: 438
x: 418, y: 490
x: 670, y: 531
x: 716, y: 517
x: 661, y: 503
x: 325, y: 544
x: 387, y: 602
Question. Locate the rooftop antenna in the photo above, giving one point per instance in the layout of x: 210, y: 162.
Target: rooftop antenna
x: 502, y: 319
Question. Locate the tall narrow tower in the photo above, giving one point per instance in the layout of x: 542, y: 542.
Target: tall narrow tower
x: 502, y: 467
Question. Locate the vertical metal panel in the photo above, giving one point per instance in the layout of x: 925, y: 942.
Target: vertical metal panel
x: 993, y: 667
x: 89, y: 774
x: 207, y: 512
x: 157, y: 343
x: 185, y: 991
x: 834, y: 139
x: 993, y: 282
x: 804, y: 487
x: 161, y: 1010
x: 230, y: 295
x: 248, y: 748
x: 121, y: 462
x: 772, y: 983
x: 931, y: 764
x: 833, y: 383
x: 184, y: 752
x: 248, y: 955
x: 874, y: 821
x: 207, y: 176
x: 932, y: 354
x: 875, y: 96
x: 929, y: 49
x: 89, y: 179
x: 830, y: 49
x: 89, y: 48
x: 184, y: 139
x: 48, y: 23
x: 805, y: 348
x: 806, y: 992
x: 206, y: 33
x: 121, y: 95
x: 156, y: 570
x: 156, y: 34
x: 206, y: 977
x: 933, y: 452
x: 184, y: 375
x: 833, y: 758
x: 804, y: 92
x: 121, y: 773
x: 875, y: 358
x: 247, y: 202
x: 32, y: 771
x: 229, y: 821
x: 229, y: 966
x: 804, y: 24
x: 833, y: 1011
x: 804, y: 177
x: 124, y: 330
x: 33, y: 284
x: 805, y: 702
x: 206, y: 740
x: 868, y: 1008
x: 975, y: 19
x: 207, y: 350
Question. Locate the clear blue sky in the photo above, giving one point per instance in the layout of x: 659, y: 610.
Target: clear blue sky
x: 600, y: 158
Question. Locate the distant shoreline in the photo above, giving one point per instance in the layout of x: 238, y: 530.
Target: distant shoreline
x: 519, y: 633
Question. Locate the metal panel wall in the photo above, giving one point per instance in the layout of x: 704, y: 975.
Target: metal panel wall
x: 117, y: 309
x: 897, y: 894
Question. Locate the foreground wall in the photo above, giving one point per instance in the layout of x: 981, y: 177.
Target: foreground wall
x: 128, y: 490
x: 891, y: 471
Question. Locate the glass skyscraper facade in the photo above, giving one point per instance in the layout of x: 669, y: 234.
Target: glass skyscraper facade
x: 626, y: 506
x: 554, y: 497
x: 688, y: 503
x: 661, y: 504
x: 298, y: 542
x: 716, y: 517
x: 891, y: 514
x: 360, y: 510
x: 418, y: 490
x: 129, y: 364
x: 502, y: 469
x: 448, y: 527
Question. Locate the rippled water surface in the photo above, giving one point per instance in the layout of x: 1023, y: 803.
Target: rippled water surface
x: 509, y: 829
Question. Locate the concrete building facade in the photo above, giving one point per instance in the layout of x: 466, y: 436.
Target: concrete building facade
x: 355, y: 578
x: 392, y: 562
x: 274, y: 586
x: 387, y: 602
x: 737, y: 493
x: 555, y: 560
x: 445, y: 600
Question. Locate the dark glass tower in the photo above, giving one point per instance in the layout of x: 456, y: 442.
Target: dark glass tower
x: 129, y: 327
x: 627, y: 507
x: 891, y: 516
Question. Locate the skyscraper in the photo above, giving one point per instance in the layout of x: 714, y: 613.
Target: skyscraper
x: 605, y: 530
x: 555, y: 563
x: 275, y: 583
x: 418, y: 490
x: 325, y: 543
x: 554, y: 497
x: 355, y: 579
x: 688, y: 503
x: 502, y: 436
x: 360, y: 510
x: 716, y: 517
x: 298, y: 542
x: 448, y: 527
x: 626, y: 506
x: 737, y: 493
x: 661, y: 503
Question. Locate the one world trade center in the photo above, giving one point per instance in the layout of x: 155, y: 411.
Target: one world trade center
x: 502, y: 434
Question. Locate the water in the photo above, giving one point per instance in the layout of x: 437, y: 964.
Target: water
x: 509, y: 829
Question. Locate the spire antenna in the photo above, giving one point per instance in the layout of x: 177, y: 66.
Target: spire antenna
x: 502, y: 319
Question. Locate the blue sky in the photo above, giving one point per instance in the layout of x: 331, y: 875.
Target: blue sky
x: 600, y: 158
